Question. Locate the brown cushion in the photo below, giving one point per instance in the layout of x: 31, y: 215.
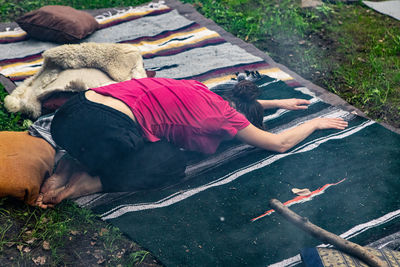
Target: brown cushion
x: 8, y: 84
x: 25, y: 162
x: 61, y: 24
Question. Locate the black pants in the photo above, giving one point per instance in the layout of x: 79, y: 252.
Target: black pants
x: 110, y: 145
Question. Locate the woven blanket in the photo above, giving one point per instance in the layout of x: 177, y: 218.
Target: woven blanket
x: 324, y: 257
x: 219, y: 215
x: 390, y: 8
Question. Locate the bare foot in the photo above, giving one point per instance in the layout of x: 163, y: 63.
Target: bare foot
x: 61, y: 175
x: 80, y: 184
x: 66, y: 169
x: 59, y: 178
x: 39, y: 202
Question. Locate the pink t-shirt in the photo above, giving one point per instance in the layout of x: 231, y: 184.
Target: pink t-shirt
x: 183, y: 112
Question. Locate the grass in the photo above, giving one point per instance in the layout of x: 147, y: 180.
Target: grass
x: 10, y: 121
x: 10, y: 10
x: 36, y: 227
x: 370, y: 46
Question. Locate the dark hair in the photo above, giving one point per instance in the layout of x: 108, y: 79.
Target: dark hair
x: 244, y: 98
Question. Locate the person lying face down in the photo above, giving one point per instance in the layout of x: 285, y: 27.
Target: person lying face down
x: 129, y: 136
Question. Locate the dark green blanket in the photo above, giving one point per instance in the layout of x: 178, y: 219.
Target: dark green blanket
x: 221, y: 216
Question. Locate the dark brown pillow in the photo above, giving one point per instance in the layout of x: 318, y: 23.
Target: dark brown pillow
x: 61, y: 24
x: 8, y: 84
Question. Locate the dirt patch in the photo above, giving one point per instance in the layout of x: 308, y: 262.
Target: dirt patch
x: 25, y: 243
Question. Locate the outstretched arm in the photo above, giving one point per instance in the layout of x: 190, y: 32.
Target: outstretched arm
x: 285, y: 140
x: 292, y: 103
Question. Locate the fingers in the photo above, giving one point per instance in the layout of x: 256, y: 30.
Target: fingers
x: 300, y: 107
x: 339, y: 123
x: 303, y: 101
x: 296, y: 104
x: 332, y: 123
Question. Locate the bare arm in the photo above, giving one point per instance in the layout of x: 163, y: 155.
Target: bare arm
x: 285, y: 140
x: 292, y: 103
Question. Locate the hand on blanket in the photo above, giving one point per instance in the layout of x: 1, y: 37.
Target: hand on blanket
x: 329, y: 123
x: 291, y: 103
x: 294, y: 103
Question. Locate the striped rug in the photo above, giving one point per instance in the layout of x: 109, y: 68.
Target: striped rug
x: 219, y: 215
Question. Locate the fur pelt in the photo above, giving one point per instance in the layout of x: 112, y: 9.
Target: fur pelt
x: 89, y: 64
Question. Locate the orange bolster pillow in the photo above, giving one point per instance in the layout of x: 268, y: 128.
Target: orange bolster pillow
x: 24, y: 163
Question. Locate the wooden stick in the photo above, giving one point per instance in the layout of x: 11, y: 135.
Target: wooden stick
x: 327, y: 237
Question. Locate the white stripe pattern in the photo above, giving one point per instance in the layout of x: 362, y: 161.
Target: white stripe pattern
x: 130, y: 10
x: 179, y: 196
x: 12, y: 32
x: 26, y: 67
